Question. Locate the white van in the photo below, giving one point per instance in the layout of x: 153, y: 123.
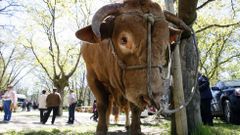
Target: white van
x: 20, y: 99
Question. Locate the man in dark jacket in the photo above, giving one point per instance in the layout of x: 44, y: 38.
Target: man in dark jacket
x: 206, y: 97
x: 53, y: 102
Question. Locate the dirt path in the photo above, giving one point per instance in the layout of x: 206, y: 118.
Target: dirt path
x: 30, y: 121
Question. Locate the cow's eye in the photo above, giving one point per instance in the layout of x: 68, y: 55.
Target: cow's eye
x: 123, y: 40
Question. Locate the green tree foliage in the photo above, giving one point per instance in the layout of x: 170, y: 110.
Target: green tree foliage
x: 217, y: 39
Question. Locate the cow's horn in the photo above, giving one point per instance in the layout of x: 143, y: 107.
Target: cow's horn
x: 175, y: 20
x: 101, y: 14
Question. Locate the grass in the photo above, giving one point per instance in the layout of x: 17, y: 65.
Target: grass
x: 219, y: 128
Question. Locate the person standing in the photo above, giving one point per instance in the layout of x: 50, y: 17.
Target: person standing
x: 29, y: 104
x: 42, y: 104
x: 9, y: 99
x: 24, y: 105
x: 53, y: 102
x: 72, y: 102
x: 206, y: 98
x: 95, y: 112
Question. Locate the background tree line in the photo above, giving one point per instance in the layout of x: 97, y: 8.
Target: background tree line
x: 38, y: 46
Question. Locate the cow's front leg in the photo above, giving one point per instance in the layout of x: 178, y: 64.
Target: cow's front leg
x: 101, y: 94
x: 135, y: 128
x: 102, y: 126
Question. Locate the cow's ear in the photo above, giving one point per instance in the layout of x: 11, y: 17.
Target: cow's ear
x: 174, y: 36
x: 86, y: 34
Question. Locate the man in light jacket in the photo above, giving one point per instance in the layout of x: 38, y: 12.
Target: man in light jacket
x: 72, y: 102
x: 42, y: 104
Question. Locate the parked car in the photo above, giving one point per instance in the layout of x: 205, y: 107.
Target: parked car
x: 20, y: 99
x: 226, y: 101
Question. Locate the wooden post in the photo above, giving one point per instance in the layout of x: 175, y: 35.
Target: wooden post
x: 178, y: 93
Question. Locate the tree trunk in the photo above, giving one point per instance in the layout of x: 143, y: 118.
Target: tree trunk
x: 61, y: 92
x: 190, y: 61
x: 179, y: 119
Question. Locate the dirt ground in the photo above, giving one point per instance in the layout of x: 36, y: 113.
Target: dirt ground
x: 22, y: 121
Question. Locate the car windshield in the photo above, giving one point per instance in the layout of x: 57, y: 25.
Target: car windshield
x: 20, y: 100
x: 234, y: 83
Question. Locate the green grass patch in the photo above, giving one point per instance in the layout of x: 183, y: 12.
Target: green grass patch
x: 202, y: 130
x: 219, y: 128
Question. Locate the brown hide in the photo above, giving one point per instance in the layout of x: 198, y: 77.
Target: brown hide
x: 127, y: 29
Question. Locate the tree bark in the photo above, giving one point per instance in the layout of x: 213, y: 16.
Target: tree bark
x: 189, y: 60
x: 189, y: 65
x: 61, y: 92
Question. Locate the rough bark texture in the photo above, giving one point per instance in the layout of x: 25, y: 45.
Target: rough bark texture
x: 61, y: 92
x: 189, y: 60
x: 187, y: 11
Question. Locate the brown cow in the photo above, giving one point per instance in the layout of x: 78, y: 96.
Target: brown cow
x: 127, y: 54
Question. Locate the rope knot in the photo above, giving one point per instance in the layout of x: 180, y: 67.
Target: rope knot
x: 149, y: 17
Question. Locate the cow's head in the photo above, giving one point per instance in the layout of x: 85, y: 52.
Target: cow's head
x: 126, y: 25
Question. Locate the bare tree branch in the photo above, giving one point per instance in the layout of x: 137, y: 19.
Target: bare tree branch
x: 229, y: 58
x: 12, y: 4
x: 52, y: 10
x: 218, y: 25
x: 6, y: 63
x: 75, y: 66
x: 39, y: 61
x: 8, y: 7
x: 44, y: 81
x: 206, y: 54
x: 17, y: 70
x: 204, y: 4
x: 218, y: 55
x: 17, y: 81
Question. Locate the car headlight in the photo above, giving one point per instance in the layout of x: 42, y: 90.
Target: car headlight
x: 237, y: 92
